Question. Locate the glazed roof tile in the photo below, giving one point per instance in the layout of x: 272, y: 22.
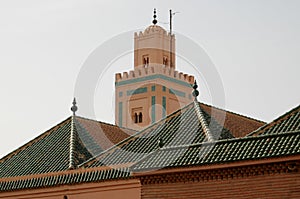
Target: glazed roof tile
x: 224, y: 151
x: 40, y: 155
x: 180, y: 128
x: 64, y: 179
x: 288, y: 122
x: 278, y: 138
x: 237, y: 124
x: 49, y: 152
x: 184, y: 145
x: 91, y: 138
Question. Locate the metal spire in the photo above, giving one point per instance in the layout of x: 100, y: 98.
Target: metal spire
x: 154, y: 17
x: 171, y: 14
x: 200, y: 115
x: 171, y: 38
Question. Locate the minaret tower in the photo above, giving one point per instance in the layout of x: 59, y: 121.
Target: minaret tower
x: 154, y: 88
x: 153, y: 46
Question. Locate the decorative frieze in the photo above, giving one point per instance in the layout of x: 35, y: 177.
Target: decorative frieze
x: 222, y: 173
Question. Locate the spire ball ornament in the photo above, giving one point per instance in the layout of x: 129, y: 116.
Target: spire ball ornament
x: 154, y: 17
x: 195, y: 91
x: 74, y: 108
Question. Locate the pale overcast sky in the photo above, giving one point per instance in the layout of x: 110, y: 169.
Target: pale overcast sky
x: 254, y: 45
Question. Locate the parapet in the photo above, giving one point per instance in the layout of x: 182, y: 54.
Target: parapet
x: 153, y: 69
x: 150, y: 30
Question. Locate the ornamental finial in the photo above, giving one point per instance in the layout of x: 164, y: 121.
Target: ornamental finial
x: 154, y: 17
x: 74, y: 108
x: 195, y: 91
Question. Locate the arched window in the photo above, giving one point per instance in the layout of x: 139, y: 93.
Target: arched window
x: 65, y: 197
x: 165, y: 61
x: 135, y: 118
x: 146, y: 60
x: 140, y: 117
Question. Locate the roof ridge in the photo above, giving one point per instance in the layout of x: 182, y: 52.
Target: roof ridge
x: 203, y: 121
x: 73, y: 131
x: 257, y: 137
x: 34, y: 140
x: 229, y: 140
x: 281, y: 117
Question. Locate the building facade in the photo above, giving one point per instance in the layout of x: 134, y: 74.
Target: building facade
x: 190, y: 152
x: 263, y: 164
x: 154, y: 89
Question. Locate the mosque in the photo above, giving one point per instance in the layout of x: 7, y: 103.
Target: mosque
x: 164, y: 143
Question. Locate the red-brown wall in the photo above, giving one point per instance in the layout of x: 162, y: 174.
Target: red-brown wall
x: 253, y: 179
x: 259, y: 181
x: 277, y: 186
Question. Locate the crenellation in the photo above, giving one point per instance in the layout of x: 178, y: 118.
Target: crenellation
x: 180, y: 75
x: 175, y: 74
x: 118, y: 76
x: 152, y: 29
x: 191, y: 79
x: 125, y: 75
x: 153, y: 64
x: 137, y: 72
x: 131, y: 74
x: 185, y: 77
x: 151, y: 69
x: 139, y: 34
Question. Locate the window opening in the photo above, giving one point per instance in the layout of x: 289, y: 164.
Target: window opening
x: 140, y: 117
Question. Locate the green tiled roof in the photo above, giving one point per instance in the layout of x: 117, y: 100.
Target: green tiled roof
x: 87, y: 143
x: 63, y: 179
x: 180, y: 128
x: 276, y: 139
x: 47, y: 153
x: 261, y: 147
x: 288, y: 122
x: 182, y: 143
x: 50, y: 151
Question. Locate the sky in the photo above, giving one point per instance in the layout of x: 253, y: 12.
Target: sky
x: 254, y: 46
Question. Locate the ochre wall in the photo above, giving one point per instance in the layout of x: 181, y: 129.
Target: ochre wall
x: 122, y: 189
x: 144, y: 99
x: 153, y: 65
x: 154, y: 42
